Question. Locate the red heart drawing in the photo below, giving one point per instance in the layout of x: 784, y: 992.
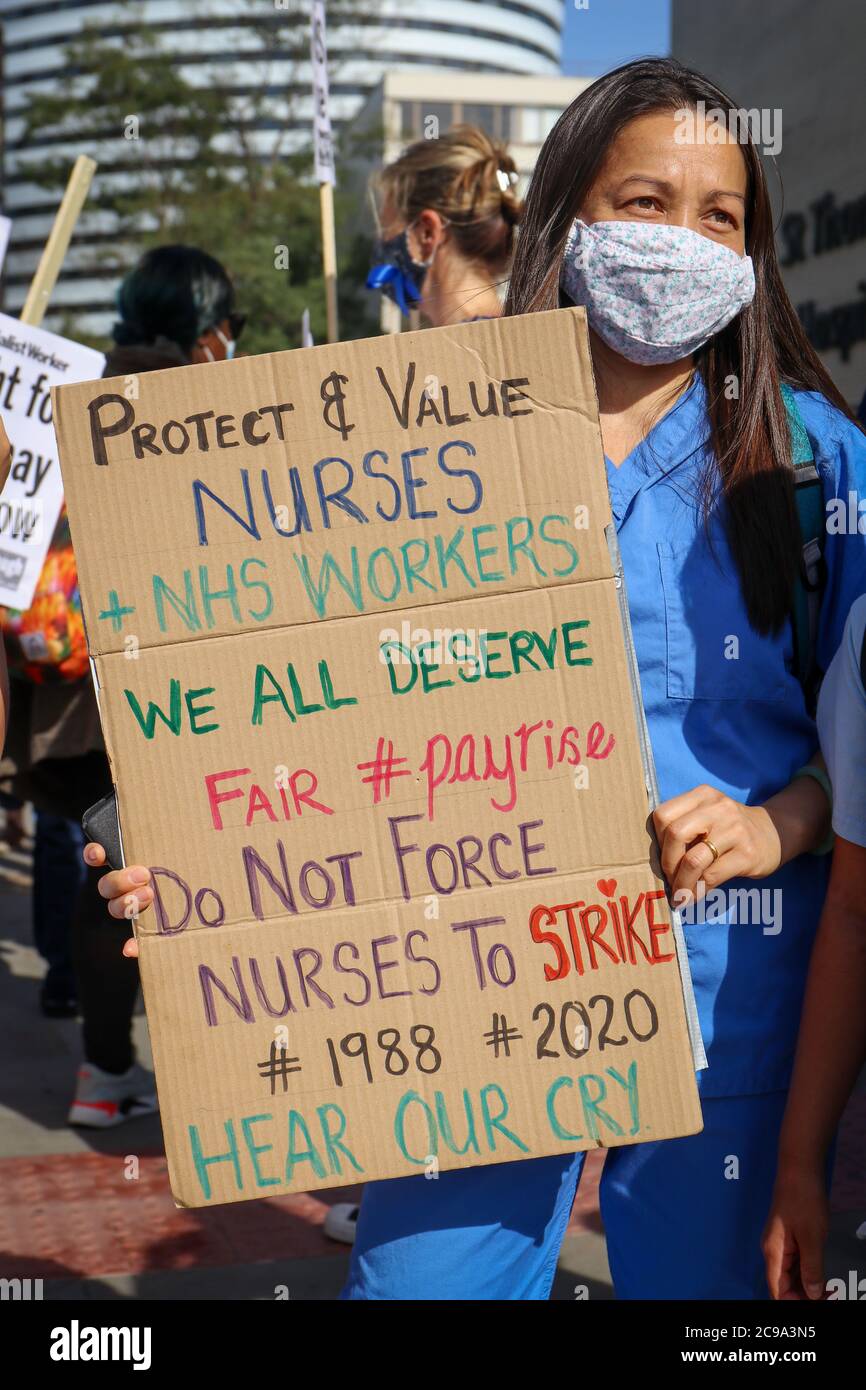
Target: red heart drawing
x: 607, y: 886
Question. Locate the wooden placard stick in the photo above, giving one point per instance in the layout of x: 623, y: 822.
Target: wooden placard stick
x: 323, y: 160
x: 56, y: 246
x: 329, y: 259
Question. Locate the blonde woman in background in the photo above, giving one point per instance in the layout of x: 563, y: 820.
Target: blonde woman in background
x: 447, y: 211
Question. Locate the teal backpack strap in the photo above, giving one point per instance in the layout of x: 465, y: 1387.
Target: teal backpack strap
x: 809, y: 499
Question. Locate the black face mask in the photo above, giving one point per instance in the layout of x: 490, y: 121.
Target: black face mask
x: 396, y: 274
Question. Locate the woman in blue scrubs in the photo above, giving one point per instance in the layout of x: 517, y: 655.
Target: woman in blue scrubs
x: 664, y: 231
x: 645, y: 208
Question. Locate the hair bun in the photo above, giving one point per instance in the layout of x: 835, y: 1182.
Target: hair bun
x: 469, y: 178
x: 507, y: 179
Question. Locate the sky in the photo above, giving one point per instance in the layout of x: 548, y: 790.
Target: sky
x: 610, y: 32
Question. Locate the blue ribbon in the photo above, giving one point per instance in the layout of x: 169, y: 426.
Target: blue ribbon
x: 401, y: 285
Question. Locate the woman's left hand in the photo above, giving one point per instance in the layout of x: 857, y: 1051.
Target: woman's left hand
x: 690, y: 826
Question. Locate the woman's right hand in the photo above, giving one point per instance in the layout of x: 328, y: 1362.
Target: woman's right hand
x: 127, y: 891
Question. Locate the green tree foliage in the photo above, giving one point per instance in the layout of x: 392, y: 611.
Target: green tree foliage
x: 209, y: 166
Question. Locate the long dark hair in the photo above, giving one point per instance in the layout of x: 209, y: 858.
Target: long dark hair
x: 763, y: 345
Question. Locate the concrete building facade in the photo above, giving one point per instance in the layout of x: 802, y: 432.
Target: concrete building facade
x: 806, y: 62
x: 219, y: 42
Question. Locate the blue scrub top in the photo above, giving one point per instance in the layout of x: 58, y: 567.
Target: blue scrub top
x: 724, y: 708
x: 842, y: 730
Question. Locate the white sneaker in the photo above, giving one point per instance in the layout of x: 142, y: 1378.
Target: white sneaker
x: 341, y: 1222
x: 102, y: 1100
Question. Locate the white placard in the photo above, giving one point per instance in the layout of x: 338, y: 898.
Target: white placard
x: 323, y: 142
x: 31, y: 362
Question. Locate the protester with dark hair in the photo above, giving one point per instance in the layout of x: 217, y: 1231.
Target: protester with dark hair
x: 177, y: 306
x: 708, y: 392
x: 723, y: 434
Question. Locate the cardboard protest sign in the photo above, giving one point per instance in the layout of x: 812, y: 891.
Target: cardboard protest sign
x: 365, y: 690
x: 31, y: 362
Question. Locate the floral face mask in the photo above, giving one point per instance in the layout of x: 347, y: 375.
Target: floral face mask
x: 653, y: 292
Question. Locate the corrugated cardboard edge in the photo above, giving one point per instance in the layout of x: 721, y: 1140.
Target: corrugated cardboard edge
x: 699, y: 1053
